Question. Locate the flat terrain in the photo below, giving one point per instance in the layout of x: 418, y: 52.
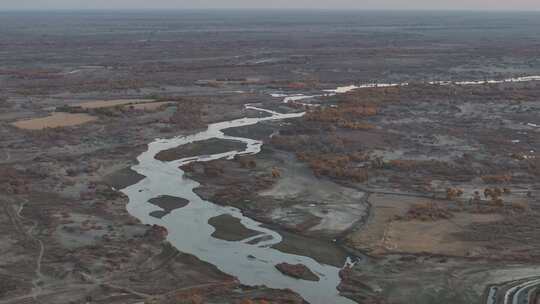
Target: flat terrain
x: 96, y: 104
x: 432, y: 189
x: 55, y: 120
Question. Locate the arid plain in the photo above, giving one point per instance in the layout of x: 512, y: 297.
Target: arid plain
x: 365, y: 156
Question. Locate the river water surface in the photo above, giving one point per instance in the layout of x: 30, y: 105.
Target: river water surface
x: 189, y: 231
x: 251, y: 260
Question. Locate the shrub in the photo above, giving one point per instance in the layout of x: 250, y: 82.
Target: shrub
x: 428, y: 212
x: 453, y: 193
x: 276, y: 173
x: 497, y: 179
x: 246, y: 161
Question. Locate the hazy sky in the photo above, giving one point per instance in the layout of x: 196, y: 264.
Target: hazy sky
x: 276, y: 4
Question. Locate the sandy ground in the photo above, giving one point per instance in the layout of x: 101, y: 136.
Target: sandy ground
x: 336, y: 207
x: 383, y: 233
x: 55, y: 120
x: 437, y: 237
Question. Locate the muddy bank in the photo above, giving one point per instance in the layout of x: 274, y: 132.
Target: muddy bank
x: 297, y: 271
x: 229, y: 228
x: 323, y: 251
x: 206, y: 147
x: 57, y: 199
x: 168, y: 204
x: 231, y: 257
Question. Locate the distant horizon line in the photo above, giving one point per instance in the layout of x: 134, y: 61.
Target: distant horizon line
x: 164, y: 9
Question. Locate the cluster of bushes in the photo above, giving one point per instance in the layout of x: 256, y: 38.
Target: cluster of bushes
x: 326, y: 156
x: 346, y: 114
x: 336, y: 166
x: 495, y: 202
x: 355, y: 125
x: 495, y: 194
x: 453, y: 193
x: 427, y: 212
x: 497, y: 179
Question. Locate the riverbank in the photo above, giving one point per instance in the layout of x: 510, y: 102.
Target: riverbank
x: 58, y: 192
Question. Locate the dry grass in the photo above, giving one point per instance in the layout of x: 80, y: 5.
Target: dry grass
x: 383, y: 233
x: 55, y: 120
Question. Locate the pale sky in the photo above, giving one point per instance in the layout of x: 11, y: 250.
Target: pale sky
x: 526, y: 5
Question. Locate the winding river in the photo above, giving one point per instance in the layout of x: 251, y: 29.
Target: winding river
x: 251, y: 260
